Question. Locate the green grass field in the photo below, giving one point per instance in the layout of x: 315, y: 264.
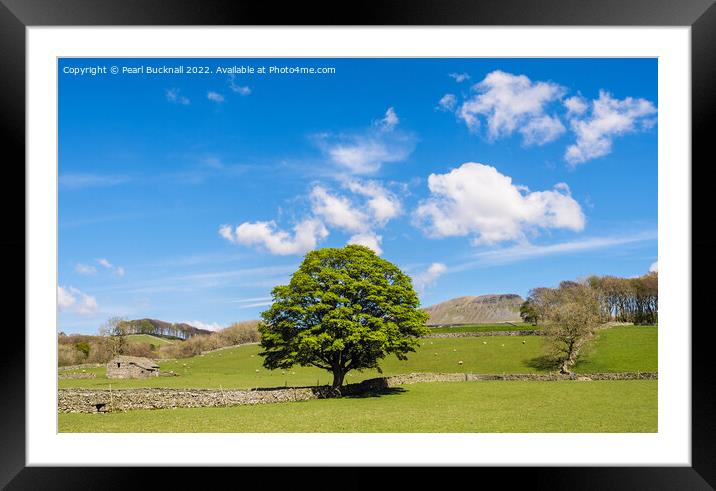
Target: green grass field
x: 148, y: 339
x: 517, y: 326
x: 483, y: 407
x: 631, y: 348
x: 615, y: 350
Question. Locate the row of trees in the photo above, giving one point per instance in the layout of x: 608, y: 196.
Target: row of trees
x: 628, y: 299
x: 633, y: 300
x: 119, y: 326
x: 571, y: 313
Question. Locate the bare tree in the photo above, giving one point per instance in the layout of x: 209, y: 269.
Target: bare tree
x: 115, y: 329
x: 571, y: 316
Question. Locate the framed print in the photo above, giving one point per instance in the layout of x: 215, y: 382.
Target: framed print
x: 424, y: 236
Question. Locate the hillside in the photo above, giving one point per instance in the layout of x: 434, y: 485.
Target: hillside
x: 476, y: 310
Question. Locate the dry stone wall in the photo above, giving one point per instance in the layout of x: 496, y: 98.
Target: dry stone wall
x: 104, y: 400
x: 76, y: 375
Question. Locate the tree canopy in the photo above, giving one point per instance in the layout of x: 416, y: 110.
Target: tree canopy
x: 343, y: 309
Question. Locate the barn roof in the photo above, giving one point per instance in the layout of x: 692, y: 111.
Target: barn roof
x: 140, y: 361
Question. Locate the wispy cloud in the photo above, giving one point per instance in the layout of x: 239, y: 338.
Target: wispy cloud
x: 252, y: 300
x: 215, y: 97
x: 118, y: 270
x: 448, y: 102
x: 426, y: 278
x: 262, y: 276
x: 71, y: 299
x: 174, y: 96
x: 239, y: 89
x: 85, y: 269
x: 256, y: 304
x: 523, y: 252
x: 459, y: 77
x: 81, y: 181
x: 208, y: 168
x: 365, y: 152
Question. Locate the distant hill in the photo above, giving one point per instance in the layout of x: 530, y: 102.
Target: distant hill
x: 476, y: 310
x: 160, y: 328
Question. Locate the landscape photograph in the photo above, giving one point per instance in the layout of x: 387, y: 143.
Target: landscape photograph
x: 357, y: 245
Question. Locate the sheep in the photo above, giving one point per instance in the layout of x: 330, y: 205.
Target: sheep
x: 459, y: 362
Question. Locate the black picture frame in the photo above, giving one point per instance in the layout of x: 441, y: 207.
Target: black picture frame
x: 700, y: 15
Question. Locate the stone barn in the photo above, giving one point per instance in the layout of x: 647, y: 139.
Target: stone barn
x: 131, y: 367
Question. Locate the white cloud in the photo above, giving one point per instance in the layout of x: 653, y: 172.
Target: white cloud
x: 368, y: 239
x: 357, y: 217
x: 541, y: 130
x: 85, y: 269
x: 337, y: 211
x: 213, y: 326
x: 607, y: 119
x: 476, y: 200
x: 389, y: 121
x: 382, y: 204
x: 215, y: 96
x: 654, y: 268
x: 239, y: 89
x: 70, y: 299
x: 365, y: 152
x: 448, y: 102
x: 576, y: 105
x: 264, y: 234
x: 459, y: 77
x: 175, y: 97
x: 226, y: 232
x: 118, y: 270
x: 65, y: 299
x: 429, y: 276
x: 509, y: 102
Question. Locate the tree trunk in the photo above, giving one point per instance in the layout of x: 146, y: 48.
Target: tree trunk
x: 338, y: 376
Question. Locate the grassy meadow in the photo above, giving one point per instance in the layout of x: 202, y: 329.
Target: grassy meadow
x: 479, y: 407
x: 619, y: 349
x: 496, y: 406
x: 517, y: 326
x: 149, y: 339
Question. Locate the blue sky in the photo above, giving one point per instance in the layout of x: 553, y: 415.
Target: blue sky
x: 187, y: 197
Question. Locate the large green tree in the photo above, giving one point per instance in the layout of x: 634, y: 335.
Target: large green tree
x: 344, y: 309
